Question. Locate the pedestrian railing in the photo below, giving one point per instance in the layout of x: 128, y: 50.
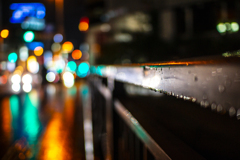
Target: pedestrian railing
x: 211, y: 89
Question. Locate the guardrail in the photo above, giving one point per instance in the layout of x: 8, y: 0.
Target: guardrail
x: 212, y: 84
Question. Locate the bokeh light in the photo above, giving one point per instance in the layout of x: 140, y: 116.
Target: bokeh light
x: 221, y: 27
x: 12, y: 57
x: 4, y: 33
x: 59, y: 65
x: 16, y: 87
x: 18, y: 70
x: 23, y: 53
x: 105, y: 27
x: 27, y: 87
x: 11, y: 66
x: 83, y: 69
x: 58, y: 38
x: 83, y: 26
x: 31, y: 58
x: 68, y: 79
x: 71, y: 66
x: 3, y: 79
x: 67, y: 47
x: 27, y: 78
x: 32, y: 64
x: 56, y: 47
x: 84, y: 47
x: 50, y: 76
x: 38, y: 51
x: 51, y: 89
x: 234, y: 26
x: 3, y: 65
x: 76, y: 54
x: 28, y: 36
x: 16, y: 78
x: 47, y: 57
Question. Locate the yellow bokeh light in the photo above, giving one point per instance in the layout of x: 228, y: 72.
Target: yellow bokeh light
x: 56, y: 47
x: 76, y: 54
x: 38, y: 51
x: 18, y: 70
x: 67, y: 47
x: 83, y: 26
x: 32, y: 64
x: 4, y: 33
x: 31, y: 58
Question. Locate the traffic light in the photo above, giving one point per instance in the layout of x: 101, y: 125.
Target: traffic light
x: 84, y: 24
x: 28, y: 36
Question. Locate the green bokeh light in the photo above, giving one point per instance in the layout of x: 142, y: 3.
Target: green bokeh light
x: 221, y: 27
x: 234, y: 26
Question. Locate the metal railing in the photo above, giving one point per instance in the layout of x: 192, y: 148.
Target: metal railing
x: 118, y: 134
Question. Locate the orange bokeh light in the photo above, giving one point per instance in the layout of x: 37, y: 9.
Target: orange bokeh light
x: 67, y: 47
x: 76, y: 54
x: 38, y: 51
x: 4, y: 33
x: 83, y: 26
x: 4, y: 79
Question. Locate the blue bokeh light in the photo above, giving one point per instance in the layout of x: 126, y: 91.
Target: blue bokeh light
x: 23, y: 10
x: 33, y: 45
x: 58, y: 38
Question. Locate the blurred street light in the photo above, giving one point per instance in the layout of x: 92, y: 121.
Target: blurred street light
x: 4, y: 33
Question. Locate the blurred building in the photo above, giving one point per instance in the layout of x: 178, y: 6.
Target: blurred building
x: 134, y: 31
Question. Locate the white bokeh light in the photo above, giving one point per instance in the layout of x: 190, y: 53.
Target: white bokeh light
x: 27, y: 87
x: 27, y: 78
x: 16, y: 87
x: 16, y: 78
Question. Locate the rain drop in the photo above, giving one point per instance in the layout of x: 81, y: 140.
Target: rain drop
x: 219, y: 108
x: 213, y: 106
x: 221, y: 88
x: 232, y: 111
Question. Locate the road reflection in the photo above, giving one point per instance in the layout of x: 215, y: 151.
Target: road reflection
x: 56, y: 143
x: 47, y: 128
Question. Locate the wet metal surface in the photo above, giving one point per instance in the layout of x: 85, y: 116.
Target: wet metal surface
x: 43, y: 124
x: 211, y: 83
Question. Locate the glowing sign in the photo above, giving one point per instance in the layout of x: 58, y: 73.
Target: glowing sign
x: 33, y: 23
x: 33, y: 45
x: 23, y: 10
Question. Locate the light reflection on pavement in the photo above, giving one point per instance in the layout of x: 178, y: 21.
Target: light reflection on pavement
x: 42, y: 125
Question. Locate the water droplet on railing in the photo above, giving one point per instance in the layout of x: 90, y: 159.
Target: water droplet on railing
x: 238, y: 114
x: 213, y: 106
x: 194, y: 99
x: 202, y: 103
x: 221, y: 88
x: 219, y: 108
x: 232, y: 111
x: 206, y: 104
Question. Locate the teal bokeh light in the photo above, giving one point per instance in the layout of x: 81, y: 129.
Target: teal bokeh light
x: 71, y: 66
x: 12, y: 57
x: 28, y: 36
x: 83, y: 69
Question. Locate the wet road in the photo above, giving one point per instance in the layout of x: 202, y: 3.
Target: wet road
x: 43, y: 124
